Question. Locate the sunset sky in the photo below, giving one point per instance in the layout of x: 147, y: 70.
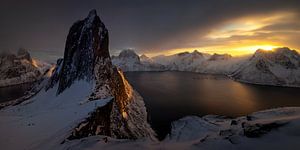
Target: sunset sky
x: 154, y: 27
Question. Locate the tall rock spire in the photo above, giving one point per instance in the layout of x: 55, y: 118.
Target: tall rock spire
x: 87, y: 41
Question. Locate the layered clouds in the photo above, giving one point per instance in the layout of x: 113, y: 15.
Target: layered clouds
x: 155, y: 27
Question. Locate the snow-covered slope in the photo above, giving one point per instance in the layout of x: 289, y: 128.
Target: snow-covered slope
x: 274, y: 129
x: 85, y: 96
x: 278, y: 67
x: 20, y: 68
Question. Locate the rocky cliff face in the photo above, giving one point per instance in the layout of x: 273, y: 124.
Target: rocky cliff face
x: 87, y: 58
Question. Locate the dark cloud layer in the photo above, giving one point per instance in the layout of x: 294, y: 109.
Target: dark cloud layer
x: 143, y: 25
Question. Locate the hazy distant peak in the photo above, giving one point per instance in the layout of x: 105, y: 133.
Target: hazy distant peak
x: 216, y: 56
x: 128, y: 53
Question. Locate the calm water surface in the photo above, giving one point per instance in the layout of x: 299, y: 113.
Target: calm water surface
x: 13, y: 92
x: 173, y: 95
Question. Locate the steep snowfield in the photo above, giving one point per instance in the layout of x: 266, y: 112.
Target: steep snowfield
x: 274, y: 129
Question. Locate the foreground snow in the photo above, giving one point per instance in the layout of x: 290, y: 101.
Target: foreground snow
x: 45, y: 117
x: 270, y: 129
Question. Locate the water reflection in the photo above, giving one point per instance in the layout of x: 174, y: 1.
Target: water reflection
x: 173, y: 95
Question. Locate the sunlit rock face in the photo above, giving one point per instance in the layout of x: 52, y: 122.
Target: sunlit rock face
x: 87, y: 58
x: 278, y: 67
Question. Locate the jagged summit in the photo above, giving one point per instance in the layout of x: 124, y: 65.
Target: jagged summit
x: 87, y: 42
x: 92, y: 14
x: 87, y: 59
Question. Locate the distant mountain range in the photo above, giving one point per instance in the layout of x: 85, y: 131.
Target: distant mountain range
x: 279, y: 67
x: 20, y: 68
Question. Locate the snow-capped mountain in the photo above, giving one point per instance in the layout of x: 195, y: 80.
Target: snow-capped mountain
x: 128, y: 60
x: 192, y: 62
x: 145, y: 58
x: 85, y: 96
x: 182, y: 61
x: 278, y: 67
x: 20, y: 68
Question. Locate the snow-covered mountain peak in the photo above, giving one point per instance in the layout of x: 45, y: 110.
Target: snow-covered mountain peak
x: 87, y: 42
x: 128, y: 53
x: 145, y: 58
x: 280, y: 66
x: 281, y: 56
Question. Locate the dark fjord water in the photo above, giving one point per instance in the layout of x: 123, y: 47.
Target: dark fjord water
x: 13, y: 92
x: 172, y: 95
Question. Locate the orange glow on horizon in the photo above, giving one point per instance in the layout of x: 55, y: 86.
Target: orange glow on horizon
x: 234, y: 51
